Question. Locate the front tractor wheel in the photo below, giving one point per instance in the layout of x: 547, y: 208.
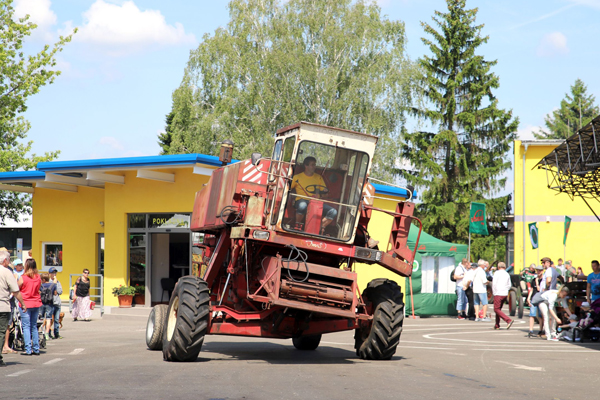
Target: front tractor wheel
x: 379, y: 340
x: 307, y: 342
x: 155, y: 327
x: 187, y: 320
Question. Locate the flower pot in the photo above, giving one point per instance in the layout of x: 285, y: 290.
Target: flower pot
x: 125, y: 301
x: 139, y: 299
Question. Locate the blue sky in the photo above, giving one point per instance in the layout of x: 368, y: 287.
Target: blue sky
x: 129, y: 56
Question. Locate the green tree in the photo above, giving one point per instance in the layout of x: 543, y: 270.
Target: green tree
x: 463, y: 157
x: 337, y: 62
x: 165, y: 138
x: 576, y: 110
x: 21, y: 77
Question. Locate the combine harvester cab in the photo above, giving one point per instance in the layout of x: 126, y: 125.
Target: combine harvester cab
x: 281, y: 237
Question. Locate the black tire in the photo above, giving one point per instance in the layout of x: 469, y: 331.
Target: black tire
x: 380, y: 339
x: 155, y: 328
x: 521, y: 306
x: 512, y: 302
x: 187, y: 320
x: 307, y: 342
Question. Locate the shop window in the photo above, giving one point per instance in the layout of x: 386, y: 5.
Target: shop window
x: 52, y: 255
x: 137, y: 221
x: 137, y: 259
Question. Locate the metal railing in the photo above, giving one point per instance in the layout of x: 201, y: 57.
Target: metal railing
x: 97, y: 298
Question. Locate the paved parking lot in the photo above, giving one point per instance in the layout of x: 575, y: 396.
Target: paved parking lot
x: 437, y: 358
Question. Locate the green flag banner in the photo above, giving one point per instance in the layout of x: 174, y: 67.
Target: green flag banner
x: 477, y: 222
x: 567, y: 227
x: 533, y: 235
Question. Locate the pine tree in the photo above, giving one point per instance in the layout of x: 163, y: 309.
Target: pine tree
x: 166, y: 138
x: 576, y: 110
x: 463, y: 157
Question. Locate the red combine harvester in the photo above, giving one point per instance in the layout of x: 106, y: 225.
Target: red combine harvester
x: 281, y: 237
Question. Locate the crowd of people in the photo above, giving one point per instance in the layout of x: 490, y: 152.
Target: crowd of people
x: 546, y: 287
x: 31, y: 294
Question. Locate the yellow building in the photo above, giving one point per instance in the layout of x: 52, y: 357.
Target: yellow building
x: 127, y: 219
x: 534, y: 201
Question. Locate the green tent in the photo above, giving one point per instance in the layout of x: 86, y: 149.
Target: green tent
x: 433, y: 291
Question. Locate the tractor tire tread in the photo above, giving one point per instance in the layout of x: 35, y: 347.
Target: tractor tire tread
x: 388, y: 318
x: 191, y: 323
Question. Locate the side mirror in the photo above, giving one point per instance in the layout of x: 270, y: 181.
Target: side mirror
x: 255, y: 158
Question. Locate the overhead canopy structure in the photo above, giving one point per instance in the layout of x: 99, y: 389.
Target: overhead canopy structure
x: 574, y: 166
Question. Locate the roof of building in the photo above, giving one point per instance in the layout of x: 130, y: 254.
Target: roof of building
x: 73, y: 170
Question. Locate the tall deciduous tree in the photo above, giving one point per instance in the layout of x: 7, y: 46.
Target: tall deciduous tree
x: 576, y: 110
x: 21, y: 76
x: 336, y: 62
x: 464, y: 156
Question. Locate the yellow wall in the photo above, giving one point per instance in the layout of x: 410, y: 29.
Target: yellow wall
x: 140, y: 196
x: 70, y: 218
x: 379, y: 229
x: 542, y: 204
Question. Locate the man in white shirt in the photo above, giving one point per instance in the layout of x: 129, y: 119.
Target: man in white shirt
x: 480, y: 291
x: 461, y: 297
x: 560, y: 267
x: 467, y: 283
x: 500, y: 286
x: 550, y: 276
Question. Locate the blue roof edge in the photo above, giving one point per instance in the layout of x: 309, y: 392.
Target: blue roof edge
x: 128, y: 162
x: 21, y: 176
x: 393, y: 191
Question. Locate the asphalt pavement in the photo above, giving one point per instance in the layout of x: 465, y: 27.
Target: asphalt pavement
x: 438, y: 358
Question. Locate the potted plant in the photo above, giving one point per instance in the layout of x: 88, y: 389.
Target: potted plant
x: 125, y: 295
x: 140, y: 295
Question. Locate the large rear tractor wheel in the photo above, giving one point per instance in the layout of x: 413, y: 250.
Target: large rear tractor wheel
x: 379, y: 340
x: 187, y: 320
x: 307, y: 342
x: 155, y: 328
x: 512, y: 302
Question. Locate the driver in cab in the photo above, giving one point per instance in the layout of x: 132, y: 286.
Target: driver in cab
x: 309, y: 184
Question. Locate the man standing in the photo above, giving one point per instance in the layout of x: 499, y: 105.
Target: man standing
x: 560, y: 267
x: 593, y: 283
x: 500, y: 287
x: 468, y: 288
x: 550, y: 276
x: 57, y: 302
x: 8, y: 286
x: 480, y: 291
x: 461, y: 297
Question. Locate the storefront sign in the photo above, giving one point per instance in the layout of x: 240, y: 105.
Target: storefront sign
x: 168, y: 221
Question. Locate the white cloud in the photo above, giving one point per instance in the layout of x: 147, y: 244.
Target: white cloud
x: 112, y: 142
x: 526, y: 133
x: 40, y: 14
x: 553, y: 44
x: 126, y: 28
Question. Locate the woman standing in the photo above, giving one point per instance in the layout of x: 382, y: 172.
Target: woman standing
x: 30, y: 283
x: 81, y: 300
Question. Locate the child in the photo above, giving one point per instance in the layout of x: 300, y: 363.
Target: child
x: 566, y: 330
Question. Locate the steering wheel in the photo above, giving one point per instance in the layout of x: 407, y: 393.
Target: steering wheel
x: 317, y: 189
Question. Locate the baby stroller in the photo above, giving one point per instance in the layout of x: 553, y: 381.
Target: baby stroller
x: 589, y: 328
x: 16, y: 340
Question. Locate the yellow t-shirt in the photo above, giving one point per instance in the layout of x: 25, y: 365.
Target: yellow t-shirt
x: 301, y: 181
